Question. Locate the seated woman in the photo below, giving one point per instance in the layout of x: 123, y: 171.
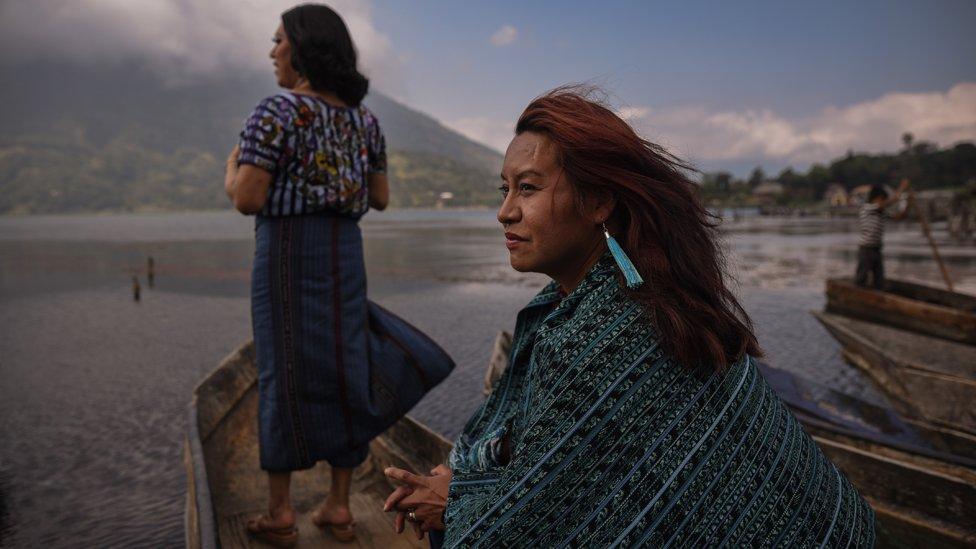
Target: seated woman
x: 632, y: 412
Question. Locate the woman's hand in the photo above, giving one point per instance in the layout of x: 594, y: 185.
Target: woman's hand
x: 426, y: 496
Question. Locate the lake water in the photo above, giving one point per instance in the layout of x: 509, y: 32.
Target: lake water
x: 94, y: 386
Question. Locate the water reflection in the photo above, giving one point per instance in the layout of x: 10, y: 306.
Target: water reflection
x: 438, y: 246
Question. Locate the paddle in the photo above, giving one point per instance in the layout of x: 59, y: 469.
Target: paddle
x: 928, y: 234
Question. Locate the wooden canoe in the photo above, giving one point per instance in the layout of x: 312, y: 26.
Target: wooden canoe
x: 926, y: 378
x: 921, y: 309
x: 225, y: 486
x: 920, y: 479
x: 923, y: 493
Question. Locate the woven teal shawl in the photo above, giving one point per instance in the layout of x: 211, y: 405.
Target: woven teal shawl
x: 614, y: 444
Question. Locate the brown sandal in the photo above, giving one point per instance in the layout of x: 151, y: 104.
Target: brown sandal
x: 342, y: 532
x: 279, y: 537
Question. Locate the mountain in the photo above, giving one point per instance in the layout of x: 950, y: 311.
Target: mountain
x: 83, y: 139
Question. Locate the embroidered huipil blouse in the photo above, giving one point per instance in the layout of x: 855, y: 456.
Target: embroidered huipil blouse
x: 320, y: 155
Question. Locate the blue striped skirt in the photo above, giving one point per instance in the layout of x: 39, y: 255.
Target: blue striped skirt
x: 334, y: 369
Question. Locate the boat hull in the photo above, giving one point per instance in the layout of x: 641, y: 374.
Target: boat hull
x: 906, y: 305
x: 926, y: 378
x: 225, y: 485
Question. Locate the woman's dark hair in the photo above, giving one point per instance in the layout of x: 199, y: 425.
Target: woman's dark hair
x: 877, y: 191
x: 658, y: 219
x: 322, y: 51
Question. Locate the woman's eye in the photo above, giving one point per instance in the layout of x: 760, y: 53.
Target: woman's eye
x: 504, y: 190
x: 527, y: 187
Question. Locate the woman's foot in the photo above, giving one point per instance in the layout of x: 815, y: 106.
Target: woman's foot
x: 337, y: 518
x: 278, y: 529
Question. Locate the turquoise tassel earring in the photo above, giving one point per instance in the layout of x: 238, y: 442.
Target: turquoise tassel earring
x: 620, y: 256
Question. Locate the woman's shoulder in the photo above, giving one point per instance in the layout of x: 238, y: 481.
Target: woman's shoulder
x: 369, y: 117
x: 282, y: 105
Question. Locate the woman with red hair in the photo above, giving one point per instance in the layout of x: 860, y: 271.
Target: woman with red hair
x: 632, y: 411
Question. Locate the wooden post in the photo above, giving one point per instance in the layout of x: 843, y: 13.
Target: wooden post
x: 928, y: 235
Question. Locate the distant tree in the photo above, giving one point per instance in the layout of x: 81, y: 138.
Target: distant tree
x: 817, y: 179
x: 723, y: 181
x: 906, y: 139
x: 756, y: 177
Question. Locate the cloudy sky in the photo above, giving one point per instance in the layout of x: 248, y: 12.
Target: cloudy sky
x: 726, y: 84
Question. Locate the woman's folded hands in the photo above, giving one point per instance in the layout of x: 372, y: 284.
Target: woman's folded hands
x: 418, y: 499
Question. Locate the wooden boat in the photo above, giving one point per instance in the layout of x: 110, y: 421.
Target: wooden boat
x: 914, y: 307
x: 915, y: 342
x: 916, y: 476
x: 225, y: 486
x: 927, y: 378
x: 923, y: 491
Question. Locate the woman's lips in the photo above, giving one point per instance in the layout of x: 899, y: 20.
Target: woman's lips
x: 513, y: 240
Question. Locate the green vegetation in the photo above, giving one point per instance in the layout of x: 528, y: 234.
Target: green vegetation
x: 73, y: 141
x: 121, y: 175
x: 418, y: 179
x: 926, y: 165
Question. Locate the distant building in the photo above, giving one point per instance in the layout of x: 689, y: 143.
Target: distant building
x: 768, y: 188
x: 444, y: 199
x: 836, y: 195
x: 766, y: 192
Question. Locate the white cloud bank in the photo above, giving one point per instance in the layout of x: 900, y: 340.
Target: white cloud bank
x: 504, y: 36
x: 712, y: 136
x: 633, y: 113
x: 871, y: 126
x: 186, y: 38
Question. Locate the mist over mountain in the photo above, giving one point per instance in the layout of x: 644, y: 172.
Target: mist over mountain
x: 79, y: 138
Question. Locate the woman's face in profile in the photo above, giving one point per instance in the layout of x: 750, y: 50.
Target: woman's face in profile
x: 281, y: 55
x: 545, y: 231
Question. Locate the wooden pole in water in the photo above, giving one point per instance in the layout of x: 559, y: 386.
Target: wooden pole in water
x: 928, y: 235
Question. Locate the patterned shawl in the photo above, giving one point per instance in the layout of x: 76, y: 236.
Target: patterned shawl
x: 613, y: 443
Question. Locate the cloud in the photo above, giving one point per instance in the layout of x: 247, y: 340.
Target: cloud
x: 633, y: 113
x: 489, y: 131
x: 504, y: 36
x: 185, y: 38
x: 870, y: 126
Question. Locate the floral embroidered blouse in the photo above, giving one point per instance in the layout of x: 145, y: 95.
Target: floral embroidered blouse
x: 320, y: 155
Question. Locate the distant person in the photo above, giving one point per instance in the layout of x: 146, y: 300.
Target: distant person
x: 151, y: 271
x: 334, y: 370
x: 632, y: 413
x: 136, y: 289
x: 871, y: 223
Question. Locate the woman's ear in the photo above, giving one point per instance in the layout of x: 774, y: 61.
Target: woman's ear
x: 599, y: 206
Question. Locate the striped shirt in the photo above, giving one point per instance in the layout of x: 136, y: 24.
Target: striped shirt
x: 319, y: 154
x: 870, y: 223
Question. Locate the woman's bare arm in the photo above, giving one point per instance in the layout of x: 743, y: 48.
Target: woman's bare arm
x: 246, y: 185
x: 379, y: 191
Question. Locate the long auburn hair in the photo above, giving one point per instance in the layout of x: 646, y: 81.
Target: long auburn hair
x: 658, y: 220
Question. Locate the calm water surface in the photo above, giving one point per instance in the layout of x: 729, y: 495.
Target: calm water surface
x: 94, y: 387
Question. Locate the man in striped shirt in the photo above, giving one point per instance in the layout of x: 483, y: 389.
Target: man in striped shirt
x: 871, y: 219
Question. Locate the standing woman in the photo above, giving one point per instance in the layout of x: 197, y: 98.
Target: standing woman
x: 334, y: 370
x: 632, y: 413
